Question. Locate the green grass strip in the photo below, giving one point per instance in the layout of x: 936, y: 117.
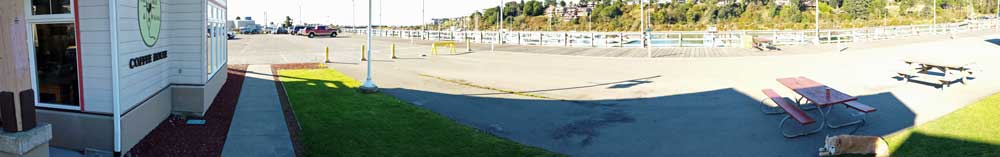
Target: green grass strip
x: 337, y: 120
x: 970, y: 131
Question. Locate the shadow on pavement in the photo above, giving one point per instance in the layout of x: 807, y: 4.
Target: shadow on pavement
x: 614, y: 85
x: 722, y: 122
x: 994, y: 41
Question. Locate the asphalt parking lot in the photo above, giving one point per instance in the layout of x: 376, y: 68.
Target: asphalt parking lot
x: 604, y: 106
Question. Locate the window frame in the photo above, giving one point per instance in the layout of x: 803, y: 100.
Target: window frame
x: 67, y: 18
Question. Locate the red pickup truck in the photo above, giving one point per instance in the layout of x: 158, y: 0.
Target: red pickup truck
x: 318, y: 31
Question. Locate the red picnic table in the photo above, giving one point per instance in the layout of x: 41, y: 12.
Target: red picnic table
x: 825, y: 97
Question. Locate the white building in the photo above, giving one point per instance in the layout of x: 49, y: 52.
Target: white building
x: 106, y: 72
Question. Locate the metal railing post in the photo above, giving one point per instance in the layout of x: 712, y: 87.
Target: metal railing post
x: 593, y: 39
x: 621, y: 39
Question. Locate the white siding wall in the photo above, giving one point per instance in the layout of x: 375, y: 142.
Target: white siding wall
x: 95, y: 46
x: 141, y: 82
x: 187, y: 51
x: 182, y: 34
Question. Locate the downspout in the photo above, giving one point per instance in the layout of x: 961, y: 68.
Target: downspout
x: 115, y: 84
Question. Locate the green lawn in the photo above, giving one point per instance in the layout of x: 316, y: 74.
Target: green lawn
x: 970, y: 131
x: 337, y: 120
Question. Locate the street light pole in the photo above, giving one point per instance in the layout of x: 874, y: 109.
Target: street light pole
x: 817, y: 22
x: 369, y: 85
x: 645, y: 35
x: 499, y: 29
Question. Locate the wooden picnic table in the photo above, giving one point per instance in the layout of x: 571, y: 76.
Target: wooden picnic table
x: 947, y: 67
x: 815, y: 92
x: 825, y: 97
x: 944, y: 64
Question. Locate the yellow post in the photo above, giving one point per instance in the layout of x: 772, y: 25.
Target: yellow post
x: 452, y: 48
x: 328, y: 54
x: 394, y: 51
x: 434, y: 49
x: 363, y: 53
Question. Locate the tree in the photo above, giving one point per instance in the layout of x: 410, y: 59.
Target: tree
x: 237, y: 18
x: 288, y: 22
x: 857, y: 8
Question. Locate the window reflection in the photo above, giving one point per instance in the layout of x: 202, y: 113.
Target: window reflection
x: 44, y: 7
x: 55, y: 59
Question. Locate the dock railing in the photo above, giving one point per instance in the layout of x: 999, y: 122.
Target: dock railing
x: 689, y: 38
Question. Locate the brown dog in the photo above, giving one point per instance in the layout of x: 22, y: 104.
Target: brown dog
x: 850, y: 144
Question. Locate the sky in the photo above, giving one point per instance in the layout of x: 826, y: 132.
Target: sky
x: 339, y: 12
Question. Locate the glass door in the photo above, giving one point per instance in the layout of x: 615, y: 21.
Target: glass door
x: 56, y: 63
x: 54, y: 56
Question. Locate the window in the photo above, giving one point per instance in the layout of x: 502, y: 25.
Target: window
x: 45, y: 7
x: 56, y: 63
x: 215, y: 39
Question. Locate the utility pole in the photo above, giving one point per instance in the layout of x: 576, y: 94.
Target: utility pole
x: 817, y: 22
x: 369, y: 85
x: 934, y: 21
x: 300, y: 12
x: 354, y: 11
x: 499, y: 29
x: 380, y: 12
x: 645, y: 30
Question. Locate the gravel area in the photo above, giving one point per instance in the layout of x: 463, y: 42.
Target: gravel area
x: 173, y: 137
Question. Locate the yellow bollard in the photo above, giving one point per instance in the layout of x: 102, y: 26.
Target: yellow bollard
x: 434, y: 49
x: 394, y: 51
x: 363, y: 53
x: 328, y: 55
x: 452, y: 48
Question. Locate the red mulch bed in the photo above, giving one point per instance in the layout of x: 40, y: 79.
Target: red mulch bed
x: 293, y: 125
x: 173, y: 137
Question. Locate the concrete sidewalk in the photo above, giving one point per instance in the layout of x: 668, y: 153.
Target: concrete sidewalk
x: 258, y: 127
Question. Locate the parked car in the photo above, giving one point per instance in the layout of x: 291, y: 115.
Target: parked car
x: 319, y: 31
x: 295, y: 30
x: 231, y: 35
x: 281, y: 30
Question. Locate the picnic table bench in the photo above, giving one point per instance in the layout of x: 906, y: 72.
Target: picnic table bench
x: 950, y: 70
x: 820, y: 95
x: 764, y: 44
x: 793, y: 112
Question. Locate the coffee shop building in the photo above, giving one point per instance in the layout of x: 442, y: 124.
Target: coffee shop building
x: 105, y: 73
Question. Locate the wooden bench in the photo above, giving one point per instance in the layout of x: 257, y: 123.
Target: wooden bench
x: 860, y: 107
x: 764, y: 44
x: 789, y: 107
x: 865, y: 109
x: 793, y: 112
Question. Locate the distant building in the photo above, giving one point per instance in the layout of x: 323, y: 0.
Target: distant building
x: 246, y: 24
x: 570, y: 12
x: 438, y: 21
x: 782, y: 2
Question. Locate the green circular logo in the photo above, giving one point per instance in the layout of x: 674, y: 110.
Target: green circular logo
x: 149, y: 21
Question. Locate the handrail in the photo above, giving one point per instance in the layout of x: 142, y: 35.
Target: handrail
x: 690, y: 38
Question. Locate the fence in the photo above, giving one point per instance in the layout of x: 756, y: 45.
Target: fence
x: 688, y: 38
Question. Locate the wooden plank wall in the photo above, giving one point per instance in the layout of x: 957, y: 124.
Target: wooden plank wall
x: 15, y: 75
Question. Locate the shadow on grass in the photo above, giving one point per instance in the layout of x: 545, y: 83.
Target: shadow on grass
x: 920, y: 144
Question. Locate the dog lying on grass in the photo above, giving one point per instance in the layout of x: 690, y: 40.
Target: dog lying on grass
x: 850, y: 144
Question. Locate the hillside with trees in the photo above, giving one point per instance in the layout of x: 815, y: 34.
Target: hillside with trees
x: 622, y: 15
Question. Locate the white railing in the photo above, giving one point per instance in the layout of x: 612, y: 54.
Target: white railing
x: 689, y: 38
